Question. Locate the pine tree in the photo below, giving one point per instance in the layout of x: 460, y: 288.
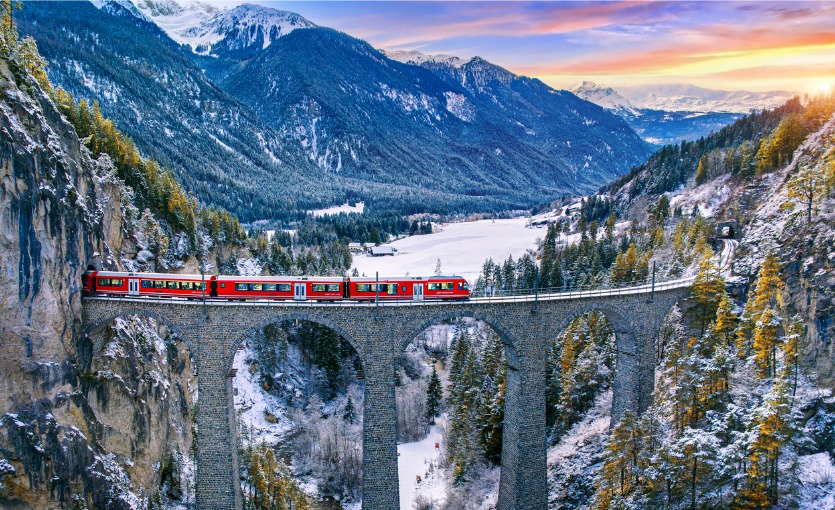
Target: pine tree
x: 619, y: 477
x: 701, y: 171
x: 808, y: 186
x: 708, y: 289
x: 726, y: 319
x: 759, y: 328
x: 773, y: 428
x: 433, y: 396
x: 349, y: 412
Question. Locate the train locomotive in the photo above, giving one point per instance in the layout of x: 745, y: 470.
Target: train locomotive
x: 278, y: 288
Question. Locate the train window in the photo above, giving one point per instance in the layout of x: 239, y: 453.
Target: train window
x: 333, y: 287
x: 447, y: 286
x: 110, y: 282
x: 185, y: 285
x: 198, y: 286
x: 432, y: 286
x: 463, y: 285
x: 171, y: 285
x: 255, y: 286
x: 392, y: 288
x: 319, y: 287
x: 403, y: 289
x: 159, y: 284
x: 270, y: 287
x: 241, y: 286
x: 284, y: 287
x: 222, y: 285
x: 147, y: 284
x: 363, y: 287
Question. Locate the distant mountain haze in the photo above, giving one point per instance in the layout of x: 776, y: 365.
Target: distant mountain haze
x: 665, y: 114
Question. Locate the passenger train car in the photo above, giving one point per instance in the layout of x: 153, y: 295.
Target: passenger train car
x: 281, y: 288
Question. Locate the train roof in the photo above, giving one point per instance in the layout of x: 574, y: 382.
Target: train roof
x: 161, y: 276
x: 400, y: 278
x: 231, y: 278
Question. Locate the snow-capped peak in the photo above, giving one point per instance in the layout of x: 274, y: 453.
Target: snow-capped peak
x: 116, y: 7
x: 604, y: 96
x: 244, y: 26
x: 418, y: 58
x: 175, y: 16
x: 204, y: 26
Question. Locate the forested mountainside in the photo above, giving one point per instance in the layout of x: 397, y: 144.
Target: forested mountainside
x: 75, y: 412
x: 217, y: 147
x: 475, y: 129
x: 295, y: 130
x: 743, y: 408
x: 103, y: 420
x: 771, y: 174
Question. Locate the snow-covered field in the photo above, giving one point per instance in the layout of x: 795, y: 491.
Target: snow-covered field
x: 414, y: 459
x: 461, y: 247
x: 358, y: 208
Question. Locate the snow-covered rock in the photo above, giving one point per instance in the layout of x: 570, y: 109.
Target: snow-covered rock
x: 418, y: 58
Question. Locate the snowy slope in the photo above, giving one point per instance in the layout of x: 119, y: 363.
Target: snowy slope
x: 176, y: 16
x: 690, y: 98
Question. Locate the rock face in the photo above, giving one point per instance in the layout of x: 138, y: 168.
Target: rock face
x: 86, y: 421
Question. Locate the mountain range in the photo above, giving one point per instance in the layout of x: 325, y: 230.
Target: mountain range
x: 264, y: 113
x: 670, y: 113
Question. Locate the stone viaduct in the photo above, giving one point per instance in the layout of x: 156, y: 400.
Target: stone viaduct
x: 214, y: 331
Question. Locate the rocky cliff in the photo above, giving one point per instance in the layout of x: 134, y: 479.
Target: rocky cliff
x: 98, y: 421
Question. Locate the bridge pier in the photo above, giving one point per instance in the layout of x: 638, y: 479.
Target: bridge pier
x: 380, y: 482
x: 217, y: 484
x: 634, y: 378
x: 524, y: 475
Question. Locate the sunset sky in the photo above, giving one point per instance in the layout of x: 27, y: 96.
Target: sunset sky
x: 758, y: 46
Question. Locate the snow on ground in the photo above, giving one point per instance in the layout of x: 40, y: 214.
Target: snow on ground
x: 254, y: 405
x: 461, y: 247
x: 421, y: 459
x: 817, y: 481
x: 708, y: 197
x: 574, y: 461
x: 344, y: 208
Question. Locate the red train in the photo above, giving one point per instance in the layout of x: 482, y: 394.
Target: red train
x: 295, y: 288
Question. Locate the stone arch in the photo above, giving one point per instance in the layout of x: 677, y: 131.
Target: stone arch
x: 619, y: 321
x: 515, y: 451
x: 636, y: 333
x: 628, y: 367
x: 107, y: 319
x: 280, y: 318
x: 511, y: 343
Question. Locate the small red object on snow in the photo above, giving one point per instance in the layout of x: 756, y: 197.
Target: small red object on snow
x: 437, y: 446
